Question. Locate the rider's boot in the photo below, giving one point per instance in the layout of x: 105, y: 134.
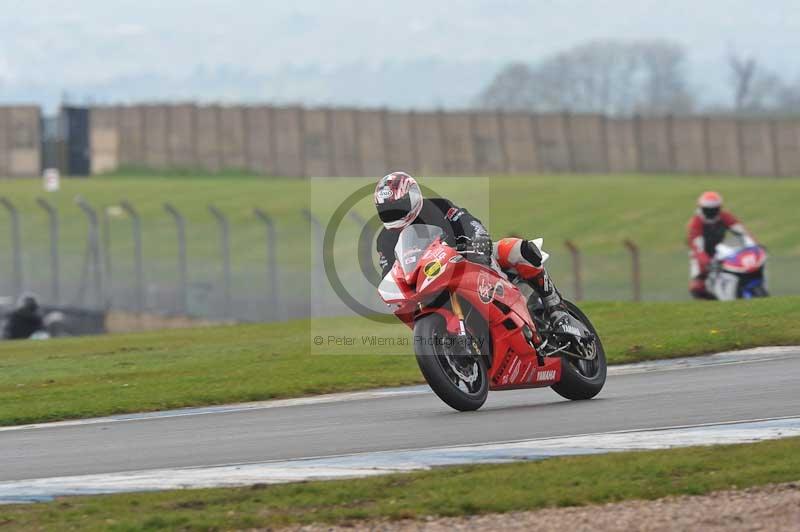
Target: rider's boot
x: 543, y: 286
x: 554, y: 307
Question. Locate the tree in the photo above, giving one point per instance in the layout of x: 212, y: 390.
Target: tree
x: 788, y: 99
x: 504, y: 90
x: 754, y: 87
x: 614, y: 77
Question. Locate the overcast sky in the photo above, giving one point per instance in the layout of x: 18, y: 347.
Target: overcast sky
x: 84, y: 45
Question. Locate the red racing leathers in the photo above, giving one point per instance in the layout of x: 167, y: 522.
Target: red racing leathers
x: 702, y: 237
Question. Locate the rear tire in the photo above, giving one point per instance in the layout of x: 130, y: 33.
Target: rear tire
x: 435, y: 367
x: 574, y: 385
x: 760, y: 291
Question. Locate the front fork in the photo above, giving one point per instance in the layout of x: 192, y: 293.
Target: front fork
x: 456, y: 305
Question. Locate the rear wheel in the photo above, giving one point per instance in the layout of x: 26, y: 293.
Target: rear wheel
x: 759, y: 291
x: 456, y: 374
x: 582, y: 378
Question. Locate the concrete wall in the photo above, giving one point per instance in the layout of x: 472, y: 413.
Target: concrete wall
x: 588, y: 143
x: 401, y: 152
x: 345, y: 145
x: 294, y: 141
x: 723, y: 146
x: 519, y: 137
x: 623, y: 147
x: 787, y: 145
x: 757, y: 149
x: 689, y: 144
x: 551, y: 143
x: 655, y: 145
x: 372, y: 142
x: 208, y: 142
x: 459, y: 143
x: 181, y: 137
x: 289, y: 141
x: 20, y: 141
x: 232, y: 137
x: 489, y: 144
x: 430, y: 146
x: 156, y: 136
x: 104, y: 140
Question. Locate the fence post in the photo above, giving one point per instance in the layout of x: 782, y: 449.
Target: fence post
x: 576, y: 269
x: 272, y: 262
x: 55, y: 280
x: 183, y: 270
x: 16, y: 244
x: 108, y: 284
x: 636, y: 276
x: 318, y: 269
x: 92, y: 251
x: 137, y: 253
x: 225, y: 252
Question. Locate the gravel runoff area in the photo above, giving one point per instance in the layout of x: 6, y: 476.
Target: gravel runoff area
x: 773, y: 508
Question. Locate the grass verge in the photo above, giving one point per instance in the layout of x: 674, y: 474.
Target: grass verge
x: 94, y: 376
x: 454, y: 491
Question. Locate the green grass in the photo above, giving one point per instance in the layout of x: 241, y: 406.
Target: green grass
x: 595, y: 211
x: 93, y: 376
x: 454, y: 491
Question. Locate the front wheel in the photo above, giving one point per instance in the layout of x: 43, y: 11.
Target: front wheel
x: 459, y: 379
x: 582, y: 378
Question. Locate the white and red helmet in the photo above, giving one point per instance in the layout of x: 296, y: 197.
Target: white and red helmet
x: 398, y: 199
x: 709, y: 205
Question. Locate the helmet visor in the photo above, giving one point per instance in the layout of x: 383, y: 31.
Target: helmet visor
x: 709, y: 213
x: 396, y: 210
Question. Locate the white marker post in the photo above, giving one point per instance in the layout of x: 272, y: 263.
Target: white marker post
x: 51, y: 179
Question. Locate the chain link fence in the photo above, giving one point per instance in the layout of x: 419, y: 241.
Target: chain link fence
x: 253, y: 267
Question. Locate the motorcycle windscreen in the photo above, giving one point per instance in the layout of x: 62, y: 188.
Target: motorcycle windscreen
x: 413, y: 242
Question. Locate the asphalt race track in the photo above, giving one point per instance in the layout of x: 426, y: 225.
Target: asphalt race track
x: 722, y: 388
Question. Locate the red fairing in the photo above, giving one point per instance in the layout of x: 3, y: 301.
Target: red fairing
x: 442, y: 269
x: 748, y: 260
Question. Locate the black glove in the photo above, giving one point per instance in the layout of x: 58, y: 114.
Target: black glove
x: 482, y: 243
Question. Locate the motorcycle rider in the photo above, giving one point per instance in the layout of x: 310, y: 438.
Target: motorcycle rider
x: 705, y: 230
x: 24, y: 320
x: 398, y: 199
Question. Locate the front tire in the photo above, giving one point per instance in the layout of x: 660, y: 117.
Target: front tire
x: 582, y: 379
x: 462, y: 388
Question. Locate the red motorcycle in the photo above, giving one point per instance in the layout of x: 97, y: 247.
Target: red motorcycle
x: 476, y: 330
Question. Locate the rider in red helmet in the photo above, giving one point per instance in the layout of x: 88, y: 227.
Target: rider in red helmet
x: 705, y: 230
x: 399, y: 202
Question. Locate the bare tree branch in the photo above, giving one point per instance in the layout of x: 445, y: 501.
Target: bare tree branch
x: 612, y: 77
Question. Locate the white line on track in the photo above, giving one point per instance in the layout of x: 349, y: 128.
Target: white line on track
x: 383, y: 462
x: 747, y: 356
x: 232, y: 408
